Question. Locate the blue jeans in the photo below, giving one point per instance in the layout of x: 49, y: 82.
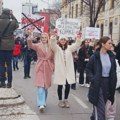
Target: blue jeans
x: 27, y: 63
x: 6, y: 57
x: 41, y: 96
x: 15, y: 62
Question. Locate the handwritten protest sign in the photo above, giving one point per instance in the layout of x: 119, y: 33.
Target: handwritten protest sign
x: 67, y: 27
x: 92, y: 32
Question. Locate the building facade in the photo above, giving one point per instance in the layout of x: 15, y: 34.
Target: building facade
x: 108, y: 19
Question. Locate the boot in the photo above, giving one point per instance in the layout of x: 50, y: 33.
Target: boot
x: 73, y: 86
x: 2, y: 85
x: 9, y: 85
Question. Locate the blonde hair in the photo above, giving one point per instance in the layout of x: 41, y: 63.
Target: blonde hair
x: 44, y: 33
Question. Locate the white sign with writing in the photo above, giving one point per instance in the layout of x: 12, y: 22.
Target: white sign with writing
x: 67, y: 26
x: 92, y: 32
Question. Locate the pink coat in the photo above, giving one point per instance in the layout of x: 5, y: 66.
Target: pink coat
x: 44, y: 66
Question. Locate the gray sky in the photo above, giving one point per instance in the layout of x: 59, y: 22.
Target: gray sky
x: 16, y: 6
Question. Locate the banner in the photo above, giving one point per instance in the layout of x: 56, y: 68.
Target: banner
x: 92, y: 32
x: 67, y: 27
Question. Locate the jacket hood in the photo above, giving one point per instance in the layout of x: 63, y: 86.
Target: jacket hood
x: 5, y: 14
x: 6, y: 11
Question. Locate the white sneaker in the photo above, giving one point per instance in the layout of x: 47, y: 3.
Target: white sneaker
x: 87, y: 85
x: 82, y: 85
x: 67, y: 104
x: 41, y: 108
x: 61, y: 103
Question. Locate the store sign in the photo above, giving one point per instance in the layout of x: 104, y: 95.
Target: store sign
x: 67, y: 27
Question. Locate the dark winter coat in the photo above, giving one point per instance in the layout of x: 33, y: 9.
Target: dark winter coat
x: 94, y: 73
x: 7, y: 42
x: 117, y: 50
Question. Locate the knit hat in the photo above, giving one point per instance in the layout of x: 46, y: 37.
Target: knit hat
x: 63, y: 37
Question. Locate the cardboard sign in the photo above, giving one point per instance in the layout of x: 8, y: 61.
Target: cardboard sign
x: 67, y: 27
x: 92, y: 32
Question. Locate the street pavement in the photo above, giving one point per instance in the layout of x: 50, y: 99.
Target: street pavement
x: 80, y: 108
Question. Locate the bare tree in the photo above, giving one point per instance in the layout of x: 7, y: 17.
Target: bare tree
x: 54, y: 13
x: 92, y: 8
x: 56, y: 7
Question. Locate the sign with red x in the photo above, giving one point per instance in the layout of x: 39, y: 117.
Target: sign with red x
x: 36, y: 22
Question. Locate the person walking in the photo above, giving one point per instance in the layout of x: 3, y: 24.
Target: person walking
x: 27, y: 59
x: 16, y: 54
x: 44, y: 68
x: 8, y: 24
x: 64, y: 68
x: 101, y: 70
x: 75, y: 59
x: 83, y: 58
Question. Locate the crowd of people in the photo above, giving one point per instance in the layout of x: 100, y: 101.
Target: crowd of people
x: 94, y: 60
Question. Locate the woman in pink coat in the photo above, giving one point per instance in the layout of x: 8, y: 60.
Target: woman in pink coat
x: 43, y: 69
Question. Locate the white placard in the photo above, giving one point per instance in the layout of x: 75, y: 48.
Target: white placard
x: 67, y: 26
x: 92, y: 32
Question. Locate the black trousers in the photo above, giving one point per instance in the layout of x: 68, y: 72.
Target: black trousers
x: 81, y: 75
x: 66, y: 92
x: 75, y: 69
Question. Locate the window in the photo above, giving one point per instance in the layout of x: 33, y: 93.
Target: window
x: 97, y: 25
x: 72, y: 11
x: 102, y: 27
x: 112, y: 3
x: 76, y: 10
x: 110, y: 28
x: 81, y: 9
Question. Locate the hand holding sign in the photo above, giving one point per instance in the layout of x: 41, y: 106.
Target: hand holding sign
x: 53, y: 37
x: 78, y: 35
x: 55, y: 32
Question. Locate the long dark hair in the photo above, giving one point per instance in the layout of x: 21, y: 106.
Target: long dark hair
x: 103, y: 40
x: 63, y: 47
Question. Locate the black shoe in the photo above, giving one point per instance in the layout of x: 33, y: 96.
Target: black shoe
x: 2, y: 85
x: 92, y: 118
x: 29, y: 76
x: 73, y: 86
x: 17, y: 68
x: 118, y: 89
x: 9, y: 85
x: 25, y: 77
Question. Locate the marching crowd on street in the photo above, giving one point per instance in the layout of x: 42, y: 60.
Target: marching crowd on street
x: 94, y: 60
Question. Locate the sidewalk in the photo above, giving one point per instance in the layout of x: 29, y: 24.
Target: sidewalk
x: 13, y: 106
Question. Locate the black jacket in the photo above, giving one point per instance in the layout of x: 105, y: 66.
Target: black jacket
x: 7, y: 41
x: 94, y: 73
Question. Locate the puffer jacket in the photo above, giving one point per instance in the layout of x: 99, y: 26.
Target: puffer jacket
x: 94, y: 73
x: 16, y: 51
x: 7, y: 41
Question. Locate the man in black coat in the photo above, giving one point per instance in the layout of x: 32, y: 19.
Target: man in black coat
x: 8, y: 24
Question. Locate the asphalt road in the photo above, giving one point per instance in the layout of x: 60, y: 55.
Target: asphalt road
x: 80, y: 107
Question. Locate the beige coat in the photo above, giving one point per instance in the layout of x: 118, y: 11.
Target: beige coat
x: 64, y: 72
